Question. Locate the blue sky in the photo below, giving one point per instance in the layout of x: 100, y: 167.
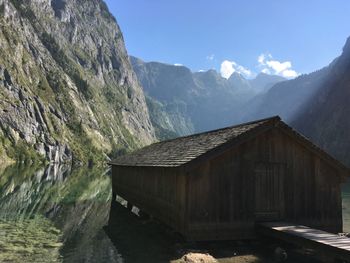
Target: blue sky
x: 294, y: 37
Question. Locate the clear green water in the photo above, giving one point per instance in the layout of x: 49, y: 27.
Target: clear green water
x: 56, y: 214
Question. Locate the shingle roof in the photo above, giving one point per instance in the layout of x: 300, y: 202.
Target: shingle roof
x: 179, y: 151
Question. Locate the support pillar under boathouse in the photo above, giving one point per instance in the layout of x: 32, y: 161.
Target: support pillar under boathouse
x: 218, y: 185
x: 129, y: 206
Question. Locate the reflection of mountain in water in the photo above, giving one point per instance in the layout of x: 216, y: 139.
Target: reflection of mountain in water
x: 55, y: 213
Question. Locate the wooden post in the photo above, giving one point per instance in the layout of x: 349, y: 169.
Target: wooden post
x: 144, y: 215
x: 114, y: 199
x: 129, y: 206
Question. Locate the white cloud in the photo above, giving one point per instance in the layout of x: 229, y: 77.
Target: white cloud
x: 261, y: 59
x: 277, y: 66
x: 229, y: 67
x: 210, y: 57
x: 178, y: 65
x: 290, y: 74
x: 271, y: 66
x: 266, y: 71
x: 226, y: 69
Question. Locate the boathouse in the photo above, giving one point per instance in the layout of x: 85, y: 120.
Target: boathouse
x: 217, y: 185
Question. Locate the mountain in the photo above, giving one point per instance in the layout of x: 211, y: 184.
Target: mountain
x: 182, y: 102
x: 285, y: 98
x: 263, y: 82
x: 315, y: 104
x: 167, y: 89
x: 67, y: 88
x: 325, y: 116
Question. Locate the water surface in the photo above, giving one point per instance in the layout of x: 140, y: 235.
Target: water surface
x: 60, y: 214
x: 55, y: 214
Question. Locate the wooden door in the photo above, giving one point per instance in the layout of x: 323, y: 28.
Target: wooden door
x: 269, y: 191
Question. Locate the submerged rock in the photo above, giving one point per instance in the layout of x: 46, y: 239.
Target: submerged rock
x: 198, y: 258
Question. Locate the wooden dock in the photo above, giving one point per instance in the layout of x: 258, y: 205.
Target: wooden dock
x: 331, y: 245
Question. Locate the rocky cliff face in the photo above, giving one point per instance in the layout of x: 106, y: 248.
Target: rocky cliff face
x: 67, y: 89
x: 167, y: 88
x: 182, y: 102
x: 325, y: 117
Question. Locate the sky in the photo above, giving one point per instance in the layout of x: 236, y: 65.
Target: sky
x: 282, y: 37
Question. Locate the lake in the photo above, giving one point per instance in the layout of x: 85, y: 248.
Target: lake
x: 60, y: 214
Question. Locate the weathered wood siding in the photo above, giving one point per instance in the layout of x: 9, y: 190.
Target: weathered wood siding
x: 157, y: 191
x: 271, y: 177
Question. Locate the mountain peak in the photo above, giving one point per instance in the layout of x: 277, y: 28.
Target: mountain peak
x: 236, y: 76
x: 135, y: 60
x: 209, y: 72
x: 262, y: 75
x: 346, y: 48
x: 263, y: 81
x: 347, y: 44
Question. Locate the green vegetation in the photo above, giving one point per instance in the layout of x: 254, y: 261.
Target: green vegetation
x: 24, y: 10
x: 105, y: 12
x: 44, y: 84
x: 157, y: 115
x: 83, y: 149
x: 164, y: 134
x: 67, y: 64
x: 84, y: 185
x: 19, y: 152
x: 22, y: 153
x: 30, y: 241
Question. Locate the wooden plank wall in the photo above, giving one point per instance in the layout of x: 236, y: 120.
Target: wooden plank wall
x: 269, y: 191
x: 221, y: 199
x: 222, y: 190
x: 157, y: 191
x: 312, y: 186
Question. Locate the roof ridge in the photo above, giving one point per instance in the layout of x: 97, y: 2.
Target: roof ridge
x: 181, y: 150
x: 276, y: 118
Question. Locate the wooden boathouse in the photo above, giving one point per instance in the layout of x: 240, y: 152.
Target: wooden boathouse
x: 219, y: 184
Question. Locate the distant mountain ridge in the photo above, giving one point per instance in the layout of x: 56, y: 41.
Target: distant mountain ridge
x: 182, y: 102
x: 316, y: 104
x: 285, y: 98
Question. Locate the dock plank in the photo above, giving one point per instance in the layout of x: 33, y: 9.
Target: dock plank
x: 327, y: 243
